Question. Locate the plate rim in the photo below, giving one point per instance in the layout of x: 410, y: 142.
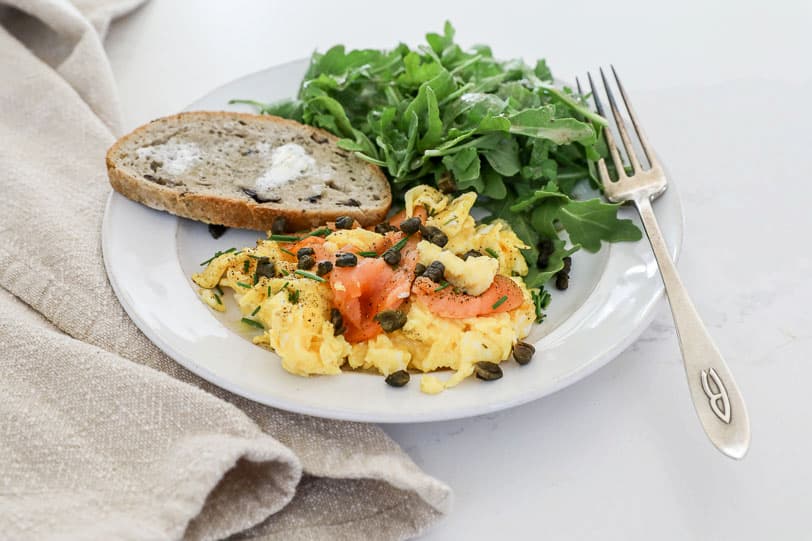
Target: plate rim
x: 441, y: 414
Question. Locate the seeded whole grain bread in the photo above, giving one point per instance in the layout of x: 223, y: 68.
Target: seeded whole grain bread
x: 205, y: 166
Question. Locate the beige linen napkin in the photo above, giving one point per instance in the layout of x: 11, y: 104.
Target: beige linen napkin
x: 101, y: 435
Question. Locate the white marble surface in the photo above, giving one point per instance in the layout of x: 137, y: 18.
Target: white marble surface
x: 724, y: 91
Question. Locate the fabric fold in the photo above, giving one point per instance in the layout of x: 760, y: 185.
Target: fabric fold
x: 104, y: 436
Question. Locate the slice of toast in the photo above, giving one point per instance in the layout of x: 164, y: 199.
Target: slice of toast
x: 243, y: 170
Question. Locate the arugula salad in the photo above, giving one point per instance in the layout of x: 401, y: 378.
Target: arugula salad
x: 463, y: 121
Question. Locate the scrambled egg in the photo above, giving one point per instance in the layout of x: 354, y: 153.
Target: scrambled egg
x: 294, y: 310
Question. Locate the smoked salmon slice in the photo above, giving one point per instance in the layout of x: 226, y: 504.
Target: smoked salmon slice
x: 502, y: 296
x: 372, y: 286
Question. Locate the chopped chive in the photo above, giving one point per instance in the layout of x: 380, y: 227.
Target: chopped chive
x: 256, y: 277
x: 368, y: 254
x: 269, y: 291
x: 252, y: 256
x: 321, y: 232
x: 256, y: 310
x: 243, y: 284
x: 284, y: 272
x: 310, y: 275
x: 216, y: 255
x: 286, y: 284
x: 217, y: 298
x: 443, y: 285
x: 400, y: 244
x: 218, y: 290
x: 245, y: 265
x: 287, y: 251
x: 284, y: 238
x: 500, y: 302
x: 452, y: 219
x: 493, y: 253
x: 293, y: 296
x: 253, y: 323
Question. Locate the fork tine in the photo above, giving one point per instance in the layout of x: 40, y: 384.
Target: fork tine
x: 610, y: 140
x: 621, y: 128
x: 637, y: 128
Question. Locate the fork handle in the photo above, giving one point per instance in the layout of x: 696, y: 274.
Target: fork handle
x: 717, y: 399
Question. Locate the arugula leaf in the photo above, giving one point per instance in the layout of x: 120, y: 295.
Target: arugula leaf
x: 464, y: 165
x: 589, y: 222
x: 502, y: 153
x: 540, y: 123
x: 548, y: 192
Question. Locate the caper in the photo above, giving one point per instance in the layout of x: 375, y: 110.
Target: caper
x: 567, y: 264
x: 306, y: 262
x: 346, y: 259
x: 324, y: 267
x: 435, y: 271
x: 337, y: 321
x: 410, y: 225
x: 398, y: 379
x: 562, y: 281
x: 391, y: 320
x: 384, y: 228
x: 419, y: 269
x: 487, y: 370
x: 265, y: 267
x: 307, y: 250
x: 344, y: 222
x: 434, y: 235
x: 216, y: 230
x: 523, y: 352
x: 392, y: 257
x: 279, y: 225
x: 471, y: 253
x: 546, y: 246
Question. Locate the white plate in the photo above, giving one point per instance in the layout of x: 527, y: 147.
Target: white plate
x: 149, y: 256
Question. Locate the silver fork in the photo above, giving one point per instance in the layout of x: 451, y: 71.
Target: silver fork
x: 716, y: 398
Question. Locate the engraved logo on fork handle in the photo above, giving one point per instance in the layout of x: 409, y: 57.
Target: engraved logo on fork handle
x: 718, y: 399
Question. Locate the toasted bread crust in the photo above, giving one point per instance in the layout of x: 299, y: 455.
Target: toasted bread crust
x: 233, y: 212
